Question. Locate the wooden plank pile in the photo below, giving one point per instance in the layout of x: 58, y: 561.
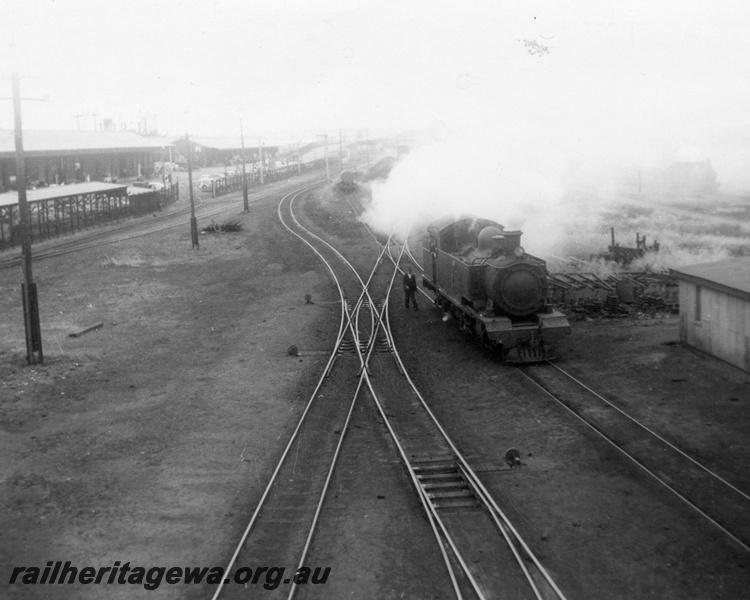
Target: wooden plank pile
x: 619, y: 294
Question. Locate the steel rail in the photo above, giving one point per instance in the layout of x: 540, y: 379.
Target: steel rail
x: 94, y: 238
x: 345, y: 323
x: 365, y: 285
x: 365, y: 292
x: 653, y: 433
x: 429, y: 508
x: 632, y: 458
x: 436, y: 522
x: 293, y: 436
x: 364, y: 376
x: 490, y: 503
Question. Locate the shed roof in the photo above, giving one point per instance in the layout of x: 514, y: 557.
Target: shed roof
x: 731, y: 276
x: 234, y: 143
x: 47, y: 142
x: 61, y: 191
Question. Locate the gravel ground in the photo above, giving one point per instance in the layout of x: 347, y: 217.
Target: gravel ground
x: 149, y: 441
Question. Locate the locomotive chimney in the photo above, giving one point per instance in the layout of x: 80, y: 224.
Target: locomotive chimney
x: 512, y: 240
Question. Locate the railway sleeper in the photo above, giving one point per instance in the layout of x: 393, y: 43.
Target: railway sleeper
x: 440, y: 477
x: 467, y: 493
x: 347, y: 347
x: 448, y: 503
x: 439, y: 467
x: 444, y: 483
x: 454, y: 484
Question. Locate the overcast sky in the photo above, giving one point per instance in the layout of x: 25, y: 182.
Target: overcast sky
x: 613, y: 70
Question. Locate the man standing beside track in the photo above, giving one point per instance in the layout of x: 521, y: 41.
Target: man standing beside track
x: 410, y: 288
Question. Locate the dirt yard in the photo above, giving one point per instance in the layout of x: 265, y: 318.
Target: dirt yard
x: 149, y: 440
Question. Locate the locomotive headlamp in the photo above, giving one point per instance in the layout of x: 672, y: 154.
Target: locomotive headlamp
x: 518, y: 251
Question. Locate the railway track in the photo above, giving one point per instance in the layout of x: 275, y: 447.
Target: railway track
x: 135, y: 228
x: 707, y: 492
x: 718, y: 505
x: 483, y: 553
x: 455, y: 498
x: 284, y: 519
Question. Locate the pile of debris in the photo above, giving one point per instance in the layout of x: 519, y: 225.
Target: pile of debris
x: 589, y: 295
x: 625, y: 255
x: 228, y: 226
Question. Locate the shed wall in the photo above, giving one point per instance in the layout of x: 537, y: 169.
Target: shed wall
x: 723, y: 329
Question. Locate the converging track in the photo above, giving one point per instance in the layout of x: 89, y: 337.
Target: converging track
x: 478, y: 544
x: 709, y: 494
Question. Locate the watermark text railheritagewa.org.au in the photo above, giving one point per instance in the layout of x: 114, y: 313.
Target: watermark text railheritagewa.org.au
x: 56, y: 573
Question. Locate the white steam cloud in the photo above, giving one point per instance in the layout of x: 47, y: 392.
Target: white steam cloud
x: 573, y: 115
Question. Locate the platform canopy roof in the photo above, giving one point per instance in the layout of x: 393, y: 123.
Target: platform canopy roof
x: 731, y: 276
x: 63, y: 191
x: 78, y: 142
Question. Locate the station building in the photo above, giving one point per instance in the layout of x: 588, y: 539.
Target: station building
x: 715, y: 309
x: 59, y: 157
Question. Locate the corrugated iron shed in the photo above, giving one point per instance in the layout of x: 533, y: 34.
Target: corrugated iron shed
x: 69, y: 142
x: 731, y: 276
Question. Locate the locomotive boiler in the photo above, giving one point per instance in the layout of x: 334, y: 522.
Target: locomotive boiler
x: 482, y: 276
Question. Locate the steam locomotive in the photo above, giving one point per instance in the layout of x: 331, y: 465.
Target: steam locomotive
x: 482, y: 276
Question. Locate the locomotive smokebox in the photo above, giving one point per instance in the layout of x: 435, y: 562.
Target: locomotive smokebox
x: 517, y: 289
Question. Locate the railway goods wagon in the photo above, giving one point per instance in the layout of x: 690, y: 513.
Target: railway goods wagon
x: 482, y: 276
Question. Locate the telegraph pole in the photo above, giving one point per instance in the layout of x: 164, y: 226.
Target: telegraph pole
x: 245, y: 201
x: 367, y: 146
x: 260, y: 154
x: 328, y: 170
x: 28, y: 288
x: 341, y: 155
x: 193, y: 221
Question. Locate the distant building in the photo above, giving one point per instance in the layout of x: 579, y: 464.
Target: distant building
x: 715, y: 309
x: 54, y: 157
x: 227, y: 150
